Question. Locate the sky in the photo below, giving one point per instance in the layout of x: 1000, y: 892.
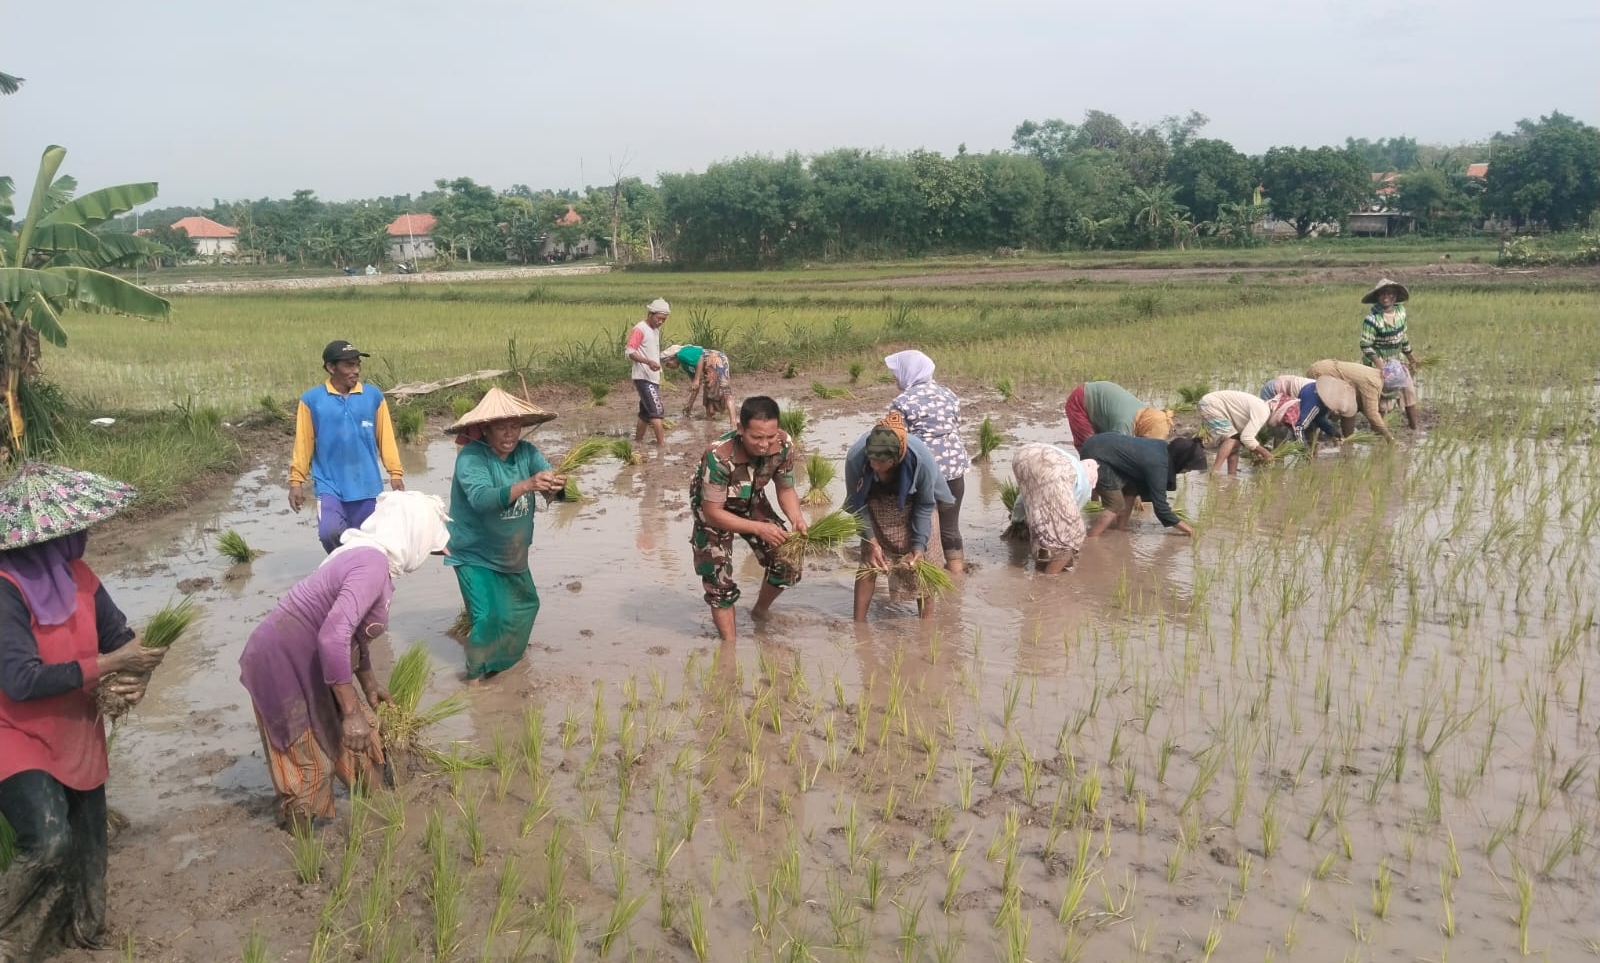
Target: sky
x: 354, y: 99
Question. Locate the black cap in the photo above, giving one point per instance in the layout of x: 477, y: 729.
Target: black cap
x: 341, y: 351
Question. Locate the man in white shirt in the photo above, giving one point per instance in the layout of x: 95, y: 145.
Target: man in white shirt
x: 644, y: 350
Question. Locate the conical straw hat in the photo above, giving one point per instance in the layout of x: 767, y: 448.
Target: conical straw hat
x: 1400, y: 292
x: 42, y: 501
x: 1337, y: 395
x: 499, y: 405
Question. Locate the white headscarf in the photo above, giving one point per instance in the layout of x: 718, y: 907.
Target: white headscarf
x: 910, y: 368
x: 406, y: 526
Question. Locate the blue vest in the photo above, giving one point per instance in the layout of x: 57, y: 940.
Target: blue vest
x: 344, y: 457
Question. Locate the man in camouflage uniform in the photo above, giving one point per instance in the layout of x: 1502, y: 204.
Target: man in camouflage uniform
x: 729, y: 498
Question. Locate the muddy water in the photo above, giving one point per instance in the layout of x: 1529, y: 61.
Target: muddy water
x: 1285, y: 736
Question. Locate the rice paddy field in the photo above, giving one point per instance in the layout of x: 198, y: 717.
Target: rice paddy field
x: 1351, y: 720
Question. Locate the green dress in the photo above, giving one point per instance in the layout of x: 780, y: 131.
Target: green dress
x: 490, y: 537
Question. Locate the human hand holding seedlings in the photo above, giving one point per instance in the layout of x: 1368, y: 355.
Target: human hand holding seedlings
x: 875, y: 559
x: 129, y: 688
x: 137, y: 659
x: 770, y: 532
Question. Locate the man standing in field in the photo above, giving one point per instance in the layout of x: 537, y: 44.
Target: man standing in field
x: 729, y: 497
x: 344, y: 441
x: 644, y: 350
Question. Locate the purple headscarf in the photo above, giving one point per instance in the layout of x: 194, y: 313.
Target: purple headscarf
x: 44, y: 574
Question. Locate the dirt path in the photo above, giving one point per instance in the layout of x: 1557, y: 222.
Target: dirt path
x: 362, y: 280
x: 1285, y: 273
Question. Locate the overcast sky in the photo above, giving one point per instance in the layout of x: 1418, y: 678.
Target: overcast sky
x: 219, y: 99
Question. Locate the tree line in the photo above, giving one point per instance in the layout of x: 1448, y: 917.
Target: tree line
x: 1096, y: 184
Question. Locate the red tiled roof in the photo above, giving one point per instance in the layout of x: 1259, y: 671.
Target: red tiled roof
x: 410, y: 225
x: 198, y: 227
x: 1480, y: 171
x: 571, y: 217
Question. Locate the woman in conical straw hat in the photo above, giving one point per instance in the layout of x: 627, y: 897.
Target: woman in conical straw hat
x: 1384, y: 339
x: 491, y: 527
x: 302, y: 663
x: 59, y: 634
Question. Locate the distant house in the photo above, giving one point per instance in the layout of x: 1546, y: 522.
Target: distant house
x: 585, y: 246
x: 1478, y: 172
x: 210, y: 238
x: 1378, y: 217
x: 411, y: 237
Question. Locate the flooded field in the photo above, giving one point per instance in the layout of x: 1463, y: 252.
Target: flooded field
x: 1350, y: 721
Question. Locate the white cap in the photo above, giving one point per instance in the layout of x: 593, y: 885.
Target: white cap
x: 659, y: 306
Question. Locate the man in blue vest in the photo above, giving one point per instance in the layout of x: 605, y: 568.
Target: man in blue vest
x: 343, y: 441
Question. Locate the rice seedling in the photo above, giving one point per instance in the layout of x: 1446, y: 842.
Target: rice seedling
x: 306, y: 847
x: 1006, y: 389
x: 409, y: 421
x: 820, y: 473
x: 822, y: 535
x: 598, y: 390
x: 623, y: 910
x: 989, y: 438
x: 400, y: 722
x: 232, y: 546
x: 461, y: 404
x: 164, y: 628
x: 255, y: 947
x: 583, y: 453
x: 855, y: 371
x: 699, y: 939
x: 826, y: 392
x: 1189, y: 397
x: 622, y: 450
x: 793, y: 422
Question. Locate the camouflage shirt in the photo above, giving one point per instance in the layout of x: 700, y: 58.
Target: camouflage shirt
x: 729, y: 474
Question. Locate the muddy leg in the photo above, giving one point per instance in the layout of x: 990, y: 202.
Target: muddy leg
x: 769, y: 593
x: 866, y: 585
x: 1413, y: 421
x: 723, y: 619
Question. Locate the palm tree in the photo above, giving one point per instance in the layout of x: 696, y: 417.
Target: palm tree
x: 9, y: 84
x: 54, y: 263
x: 1156, y: 207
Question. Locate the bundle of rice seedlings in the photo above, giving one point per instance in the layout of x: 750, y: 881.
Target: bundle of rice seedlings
x: 400, y: 722
x: 1006, y: 389
x: 624, y: 452
x: 1291, y: 449
x: 855, y: 371
x: 461, y: 627
x: 823, y: 535
x: 581, y: 454
x: 1008, y: 494
x: 1189, y: 397
x: 598, y: 392
x: 1362, y: 437
x: 823, y: 391
x: 234, y: 548
x: 989, y: 438
x: 1091, y: 506
x: 793, y: 422
x: 164, y: 628
x: 932, y: 580
x: 409, y: 422
x: 819, y: 473
x: 461, y: 404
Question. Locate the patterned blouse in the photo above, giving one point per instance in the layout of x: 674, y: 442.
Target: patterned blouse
x: 1382, y: 339
x: 933, y: 413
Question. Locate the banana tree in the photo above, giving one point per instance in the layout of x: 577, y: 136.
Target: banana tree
x: 54, y: 263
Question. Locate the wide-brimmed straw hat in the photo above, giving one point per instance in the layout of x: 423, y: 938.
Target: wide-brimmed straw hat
x: 498, y: 405
x: 1337, y: 396
x: 1400, y: 292
x: 43, y: 501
